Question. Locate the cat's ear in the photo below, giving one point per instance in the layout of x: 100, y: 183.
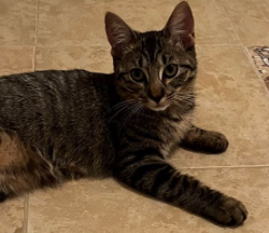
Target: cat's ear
x: 180, y: 26
x: 119, y: 34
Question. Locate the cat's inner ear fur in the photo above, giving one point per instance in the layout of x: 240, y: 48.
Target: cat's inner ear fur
x: 119, y: 34
x: 180, y: 26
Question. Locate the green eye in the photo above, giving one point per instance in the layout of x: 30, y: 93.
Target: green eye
x: 170, y: 71
x: 138, y: 75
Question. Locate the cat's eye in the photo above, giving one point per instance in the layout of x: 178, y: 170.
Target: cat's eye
x: 170, y: 71
x: 137, y: 75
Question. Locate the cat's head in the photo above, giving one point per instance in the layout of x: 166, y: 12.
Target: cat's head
x: 157, y: 68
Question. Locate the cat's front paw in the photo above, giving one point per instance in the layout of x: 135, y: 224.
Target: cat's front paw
x: 218, y: 142
x: 229, y: 212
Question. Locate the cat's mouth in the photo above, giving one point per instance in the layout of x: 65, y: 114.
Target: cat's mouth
x: 161, y: 105
x: 158, y: 107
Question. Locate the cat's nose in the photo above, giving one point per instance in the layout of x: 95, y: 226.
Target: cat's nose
x: 156, y: 95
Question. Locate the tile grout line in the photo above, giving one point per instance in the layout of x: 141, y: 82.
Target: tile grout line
x: 17, y: 46
x: 102, y: 46
x: 228, y: 166
x: 219, y: 44
x: 26, y: 205
x: 36, y: 34
x: 245, y: 50
x: 33, y: 58
x: 231, y: 23
x: 26, y: 212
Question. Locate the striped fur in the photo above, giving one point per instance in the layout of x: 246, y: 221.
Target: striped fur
x: 62, y: 125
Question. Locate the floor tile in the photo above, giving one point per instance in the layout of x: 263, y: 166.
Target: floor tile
x: 212, y: 24
x: 251, y: 186
x: 250, y: 18
x: 94, y: 58
x: 105, y: 206
x: 82, y: 23
x: 12, y: 216
x: 231, y: 99
x: 18, y: 22
x: 16, y: 59
x: 85, y: 206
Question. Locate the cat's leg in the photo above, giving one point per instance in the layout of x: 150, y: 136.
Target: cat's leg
x: 23, y: 169
x: 15, y: 181
x: 146, y: 171
x: 201, y: 140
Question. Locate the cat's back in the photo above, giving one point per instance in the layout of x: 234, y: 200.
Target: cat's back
x: 55, y: 110
x: 62, y: 93
x: 52, y: 91
x: 53, y: 83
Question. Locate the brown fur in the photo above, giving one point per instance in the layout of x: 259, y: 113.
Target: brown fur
x: 12, y: 152
x: 62, y: 125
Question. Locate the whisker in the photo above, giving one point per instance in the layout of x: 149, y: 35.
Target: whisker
x: 184, y: 101
x: 119, y: 105
x: 123, y: 108
x: 130, y: 115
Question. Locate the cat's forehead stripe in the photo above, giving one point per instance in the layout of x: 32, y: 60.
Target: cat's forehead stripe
x: 150, y: 45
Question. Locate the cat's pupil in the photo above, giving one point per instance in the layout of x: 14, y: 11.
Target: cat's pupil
x: 137, y: 75
x: 170, y: 71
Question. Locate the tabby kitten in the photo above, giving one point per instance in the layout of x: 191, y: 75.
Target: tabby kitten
x: 62, y: 125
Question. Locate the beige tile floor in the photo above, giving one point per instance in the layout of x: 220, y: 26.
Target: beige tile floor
x: 61, y: 34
